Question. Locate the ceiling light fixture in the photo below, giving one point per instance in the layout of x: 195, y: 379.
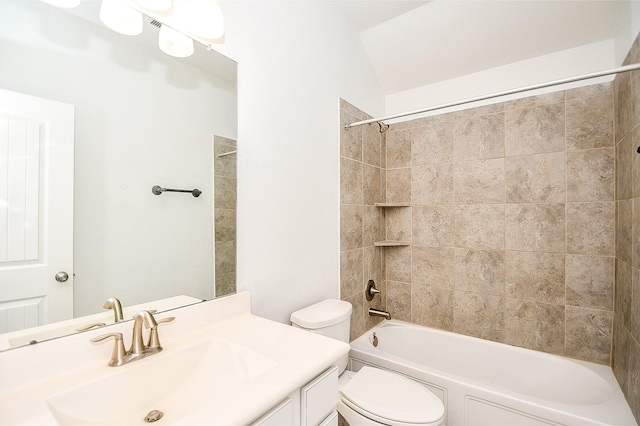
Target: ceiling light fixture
x: 180, y: 21
x: 120, y: 17
x: 155, y: 5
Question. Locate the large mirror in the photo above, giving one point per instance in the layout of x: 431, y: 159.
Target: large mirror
x: 140, y: 119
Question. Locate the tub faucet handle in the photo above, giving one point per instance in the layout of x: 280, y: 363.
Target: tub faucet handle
x: 371, y: 290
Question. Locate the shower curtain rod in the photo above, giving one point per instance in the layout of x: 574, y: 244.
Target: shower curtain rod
x: 625, y: 68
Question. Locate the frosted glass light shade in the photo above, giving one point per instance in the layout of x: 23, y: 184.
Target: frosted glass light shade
x: 120, y: 17
x: 67, y: 4
x: 174, y: 43
x: 155, y: 5
x: 205, y: 19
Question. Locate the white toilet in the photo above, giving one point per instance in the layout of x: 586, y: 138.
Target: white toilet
x: 370, y: 396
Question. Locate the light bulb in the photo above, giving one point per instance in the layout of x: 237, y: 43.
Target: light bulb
x: 205, y: 19
x: 155, y: 5
x: 174, y: 43
x: 120, y: 17
x: 67, y: 4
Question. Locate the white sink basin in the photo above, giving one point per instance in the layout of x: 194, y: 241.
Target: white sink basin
x: 178, y: 384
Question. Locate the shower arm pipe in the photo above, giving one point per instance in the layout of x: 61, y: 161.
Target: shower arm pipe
x: 625, y: 68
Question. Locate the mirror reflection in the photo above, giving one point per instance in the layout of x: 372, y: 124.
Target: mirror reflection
x: 139, y: 119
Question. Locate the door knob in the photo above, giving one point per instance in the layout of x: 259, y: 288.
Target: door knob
x: 62, y: 277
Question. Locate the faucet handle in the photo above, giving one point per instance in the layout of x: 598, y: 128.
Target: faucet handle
x: 118, y: 353
x: 371, y: 290
x: 90, y: 326
x: 154, y: 341
x: 167, y: 319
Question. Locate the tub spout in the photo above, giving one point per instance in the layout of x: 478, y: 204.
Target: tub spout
x: 379, y: 313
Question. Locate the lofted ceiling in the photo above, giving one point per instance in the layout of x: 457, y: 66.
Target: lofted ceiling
x: 416, y: 43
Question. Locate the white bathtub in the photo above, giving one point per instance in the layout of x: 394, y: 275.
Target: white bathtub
x: 487, y: 383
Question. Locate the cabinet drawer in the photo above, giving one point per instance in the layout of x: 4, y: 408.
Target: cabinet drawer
x: 319, y: 398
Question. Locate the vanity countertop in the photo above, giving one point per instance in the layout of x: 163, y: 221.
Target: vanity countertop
x: 294, y: 358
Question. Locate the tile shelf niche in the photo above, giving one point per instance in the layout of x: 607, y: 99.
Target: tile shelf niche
x: 388, y: 243
x: 389, y: 205
x: 391, y: 243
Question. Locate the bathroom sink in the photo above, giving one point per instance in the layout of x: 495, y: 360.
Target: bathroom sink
x: 184, y: 385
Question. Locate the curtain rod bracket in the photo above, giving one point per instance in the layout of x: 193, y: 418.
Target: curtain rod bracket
x: 383, y: 127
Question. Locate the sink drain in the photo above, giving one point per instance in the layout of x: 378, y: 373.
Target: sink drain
x: 153, y: 416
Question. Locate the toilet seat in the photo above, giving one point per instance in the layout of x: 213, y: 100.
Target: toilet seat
x: 391, y: 399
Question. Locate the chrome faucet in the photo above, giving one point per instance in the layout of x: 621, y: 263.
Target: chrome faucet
x: 138, y: 349
x: 113, y: 303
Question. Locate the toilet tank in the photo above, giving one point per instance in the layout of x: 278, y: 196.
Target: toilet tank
x: 329, y: 318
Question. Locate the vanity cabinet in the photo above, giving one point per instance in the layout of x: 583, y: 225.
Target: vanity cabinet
x: 319, y: 398
x: 313, y: 404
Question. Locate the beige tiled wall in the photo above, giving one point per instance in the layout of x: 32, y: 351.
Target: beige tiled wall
x: 511, y: 222
x: 362, y: 184
x: 225, y: 215
x: 626, y: 326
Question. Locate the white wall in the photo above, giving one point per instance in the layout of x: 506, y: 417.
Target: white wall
x: 627, y: 27
x: 130, y: 136
x: 581, y: 60
x: 296, y: 59
x: 568, y: 63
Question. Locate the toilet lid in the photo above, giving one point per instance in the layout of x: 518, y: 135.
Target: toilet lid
x: 391, y: 398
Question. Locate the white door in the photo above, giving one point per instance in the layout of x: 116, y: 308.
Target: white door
x: 36, y: 211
